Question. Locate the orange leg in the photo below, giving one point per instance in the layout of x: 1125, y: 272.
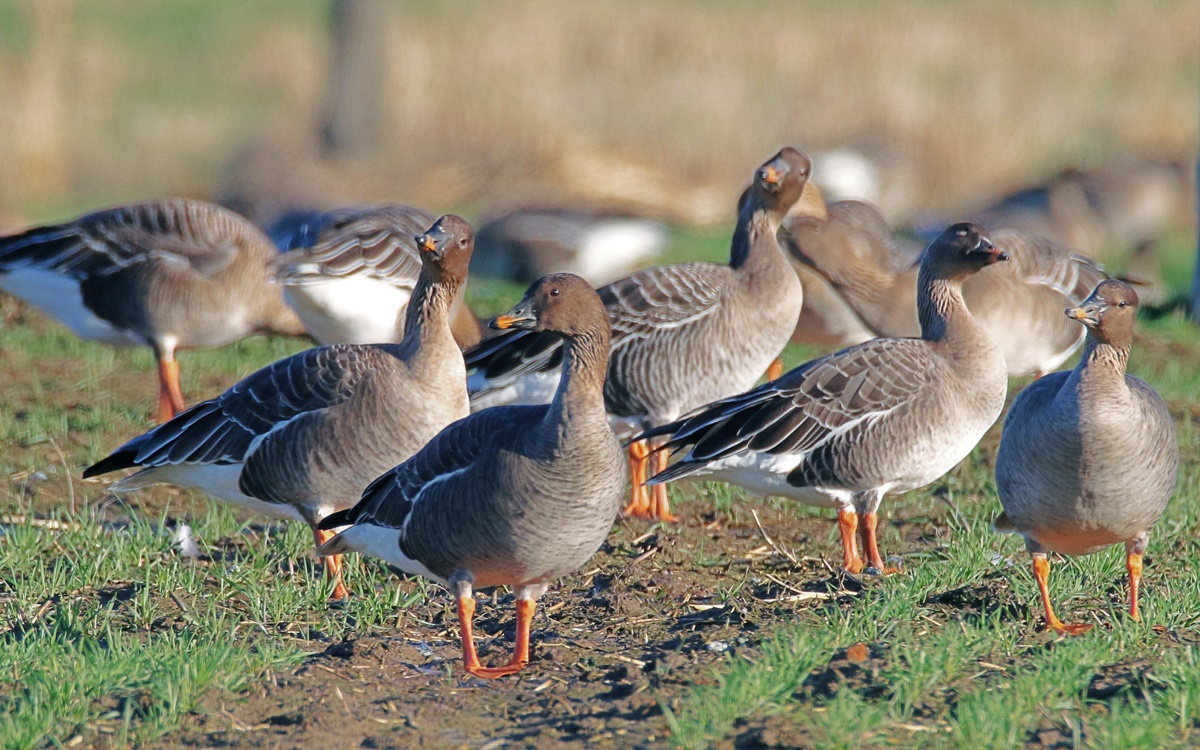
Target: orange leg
x: 333, y: 567
x: 870, y: 521
x: 1133, y: 563
x: 661, y: 506
x: 848, y: 524
x: 775, y: 370
x: 520, y: 657
x: 1041, y: 571
x: 639, y: 505
x: 170, y: 393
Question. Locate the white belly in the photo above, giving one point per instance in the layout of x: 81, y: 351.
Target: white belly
x: 349, y: 310
x: 534, y: 388
x: 765, y: 474
x: 219, y: 480
x: 60, y: 298
x: 381, y: 542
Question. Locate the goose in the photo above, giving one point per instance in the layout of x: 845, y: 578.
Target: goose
x: 884, y: 417
x: 1088, y: 457
x: 1019, y: 302
x: 170, y: 274
x: 525, y: 244
x: 349, y: 274
x: 518, y: 495
x: 683, y: 335
x: 301, y: 438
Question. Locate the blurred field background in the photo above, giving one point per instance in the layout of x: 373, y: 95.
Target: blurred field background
x: 662, y: 107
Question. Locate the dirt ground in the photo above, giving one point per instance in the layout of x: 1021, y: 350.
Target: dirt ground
x: 655, y: 613
x: 640, y: 626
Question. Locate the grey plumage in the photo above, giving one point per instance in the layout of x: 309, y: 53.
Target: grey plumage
x: 349, y: 274
x: 516, y: 495
x: 300, y: 438
x: 170, y: 274
x: 886, y: 416
x: 1088, y: 457
x: 1019, y: 303
x: 682, y: 335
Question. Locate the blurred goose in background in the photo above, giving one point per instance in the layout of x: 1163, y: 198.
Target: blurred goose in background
x: 301, y: 438
x: 682, y: 335
x: 1088, y: 458
x: 169, y: 274
x: 516, y: 495
x: 1018, y: 303
x: 883, y: 417
x: 826, y: 319
x: 349, y: 274
x: 525, y: 245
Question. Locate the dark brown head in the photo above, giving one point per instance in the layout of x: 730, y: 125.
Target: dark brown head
x: 562, y: 303
x: 780, y: 182
x: 960, y: 251
x: 1109, y: 312
x: 446, y: 247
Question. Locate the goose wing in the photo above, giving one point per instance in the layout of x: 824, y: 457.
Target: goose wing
x: 815, y: 406
x: 182, y: 234
x: 389, y: 499
x: 374, y: 242
x: 226, y: 429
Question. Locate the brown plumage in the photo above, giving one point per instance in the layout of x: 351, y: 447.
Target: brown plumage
x: 349, y: 273
x: 883, y: 417
x: 1018, y: 303
x: 682, y: 335
x: 169, y: 274
x: 302, y: 437
x: 513, y: 495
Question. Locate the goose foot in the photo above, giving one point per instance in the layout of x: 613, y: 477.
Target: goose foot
x: 848, y: 525
x: 1041, y: 571
x: 875, y: 565
x: 333, y: 569
x: 520, y: 656
x: 170, y: 393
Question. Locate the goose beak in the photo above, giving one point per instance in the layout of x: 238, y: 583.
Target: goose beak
x: 987, y: 252
x: 771, y: 174
x: 1088, y: 314
x: 426, y: 242
x: 520, y: 316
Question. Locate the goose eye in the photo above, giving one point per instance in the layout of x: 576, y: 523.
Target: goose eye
x: 554, y: 292
x: 1122, y: 304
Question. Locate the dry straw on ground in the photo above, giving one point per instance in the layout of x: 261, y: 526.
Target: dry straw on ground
x: 492, y: 101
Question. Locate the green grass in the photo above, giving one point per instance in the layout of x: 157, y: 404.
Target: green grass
x: 986, y: 676
x: 107, y: 629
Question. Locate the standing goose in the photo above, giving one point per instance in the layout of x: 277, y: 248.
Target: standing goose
x: 349, y: 274
x: 883, y: 417
x: 1018, y: 303
x: 516, y: 495
x: 301, y: 438
x: 1088, y: 457
x: 683, y: 335
x: 169, y: 274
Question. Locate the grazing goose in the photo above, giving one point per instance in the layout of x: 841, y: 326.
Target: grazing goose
x: 1019, y: 303
x: 350, y: 273
x: 883, y: 417
x: 516, y: 495
x: 169, y: 274
x: 1088, y: 457
x: 682, y: 335
x: 301, y: 438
